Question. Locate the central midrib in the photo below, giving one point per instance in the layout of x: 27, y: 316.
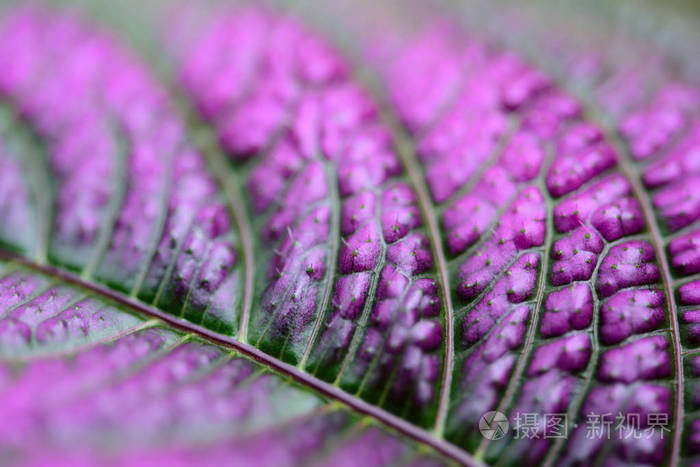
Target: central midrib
x: 307, y: 380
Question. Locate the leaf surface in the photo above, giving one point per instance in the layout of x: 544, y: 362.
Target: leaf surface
x: 458, y: 233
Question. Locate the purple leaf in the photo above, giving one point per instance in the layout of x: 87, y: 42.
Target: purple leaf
x: 262, y: 255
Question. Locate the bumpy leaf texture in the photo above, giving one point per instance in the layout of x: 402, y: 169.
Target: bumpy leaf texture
x: 261, y: 249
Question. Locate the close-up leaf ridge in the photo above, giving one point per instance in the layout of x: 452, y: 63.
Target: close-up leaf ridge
x: 452, y: 230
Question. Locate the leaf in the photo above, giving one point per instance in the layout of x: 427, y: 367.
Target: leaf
x: 453, y: 234
x: 84, y: 381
